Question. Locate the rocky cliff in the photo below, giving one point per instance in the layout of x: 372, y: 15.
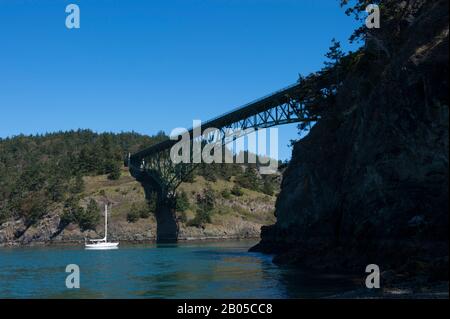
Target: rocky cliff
x: 370, y: 183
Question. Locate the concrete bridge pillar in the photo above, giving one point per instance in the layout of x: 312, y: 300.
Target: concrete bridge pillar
x: 166, y: 220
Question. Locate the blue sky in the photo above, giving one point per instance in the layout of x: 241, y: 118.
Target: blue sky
x: 148, y: 65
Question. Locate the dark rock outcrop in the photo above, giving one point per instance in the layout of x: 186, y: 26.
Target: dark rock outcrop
x: 370, y: 185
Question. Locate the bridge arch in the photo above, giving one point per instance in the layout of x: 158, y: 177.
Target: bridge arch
x: 153, y: 168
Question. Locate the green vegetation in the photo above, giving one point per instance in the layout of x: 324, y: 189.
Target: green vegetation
x: 249, y: 179
x: 86, y: 218
x: 138, y: 211
x: 78, y: 185
x: 91, y: 216
x: 245, y: 176
x: 319, y: 90
x: 182, y: 202
x: 334, y: 54
x: 268, y: 187
x: 60, y: 172
x: 39, y: 172
x: 134, y: 214
x: 226, y: 193
x: 237, y: 191
x: 205, y: 205
x: 182, y: 217
x: 114, y: 171
x: 145, y: 211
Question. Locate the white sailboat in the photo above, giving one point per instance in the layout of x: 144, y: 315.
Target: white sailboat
x: 101, y: 243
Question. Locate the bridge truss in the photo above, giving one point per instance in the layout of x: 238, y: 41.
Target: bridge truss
x: 279, y: 108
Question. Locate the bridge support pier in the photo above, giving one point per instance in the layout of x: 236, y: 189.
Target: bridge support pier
x: 166, y: 220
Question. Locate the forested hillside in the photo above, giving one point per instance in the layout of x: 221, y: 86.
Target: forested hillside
x: 36, y: 171
x: 56, y: 173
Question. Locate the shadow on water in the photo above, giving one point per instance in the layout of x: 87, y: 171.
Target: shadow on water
x: 172, y: 245
x: 309, y: 284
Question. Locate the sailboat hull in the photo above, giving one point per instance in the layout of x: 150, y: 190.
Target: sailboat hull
x: 102, y: 246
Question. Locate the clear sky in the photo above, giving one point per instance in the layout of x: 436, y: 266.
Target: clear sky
x: 150, y: 65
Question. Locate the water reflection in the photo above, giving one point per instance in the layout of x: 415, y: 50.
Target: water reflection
x: 185, y: 270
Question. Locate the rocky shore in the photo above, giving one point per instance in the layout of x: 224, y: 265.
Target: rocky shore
x: 47, y: 231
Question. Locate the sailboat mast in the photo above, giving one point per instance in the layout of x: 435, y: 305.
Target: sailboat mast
x: 106, y: 222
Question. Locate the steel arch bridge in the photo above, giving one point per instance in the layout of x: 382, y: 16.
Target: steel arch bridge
x: 154, y: 169
x: 278, y: 108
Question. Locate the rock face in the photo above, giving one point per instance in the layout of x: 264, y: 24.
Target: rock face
x: 371, y: 184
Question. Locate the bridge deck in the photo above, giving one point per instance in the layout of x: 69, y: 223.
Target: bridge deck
x: 265, y: 103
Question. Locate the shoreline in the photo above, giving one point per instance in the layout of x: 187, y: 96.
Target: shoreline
x: 126, y: 242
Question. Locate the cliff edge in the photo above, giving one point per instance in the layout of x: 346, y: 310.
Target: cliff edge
x: 369, y: 185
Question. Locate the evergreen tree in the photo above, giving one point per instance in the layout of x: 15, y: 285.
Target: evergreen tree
x: 113, y: 170
x: 268, y: 187
x: 72, y: 212
x: 205, y: 206
x: 78, y: 186
x: 90, y: 217
x: 334, y: 54
x: 249, y: 179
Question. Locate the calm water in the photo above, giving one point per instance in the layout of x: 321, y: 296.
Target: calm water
x: 201, y: 270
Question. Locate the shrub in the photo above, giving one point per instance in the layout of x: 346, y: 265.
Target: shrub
x: 202, y: 217
x: 144, y: 212
x: 85, y: 218
x: 113, y: 171
x: 237, y: 191
x: 182, y: 202
x: 189, y: 178
x: 33, y: 207
x: 206, y: 204
x: 249, y: 179
x: 268, y: 187
x: 182, y: 217
x: 207, y: 200
x: 78, y: 185
x: 226, y: 194
x: 133, y: 216
x: 3, y: 215
x: 70, y: 212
